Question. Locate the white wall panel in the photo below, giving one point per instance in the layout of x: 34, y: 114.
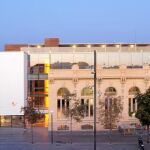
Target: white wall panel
x: 13, y: 82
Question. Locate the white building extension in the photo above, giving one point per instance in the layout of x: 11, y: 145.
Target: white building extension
x: 13, y: 82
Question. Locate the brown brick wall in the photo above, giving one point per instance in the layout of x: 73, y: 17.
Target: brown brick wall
x: 14, y: 47
x: 48, y: 42
x: 51, y: 42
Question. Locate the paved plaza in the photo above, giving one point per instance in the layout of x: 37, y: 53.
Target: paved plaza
x: 20, y: 139
x: 69, y: 147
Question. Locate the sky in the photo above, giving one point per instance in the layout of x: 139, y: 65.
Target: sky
x: 74, y: 21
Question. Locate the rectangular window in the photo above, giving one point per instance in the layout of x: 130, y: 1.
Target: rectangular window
x: 133, y: 104
x: 129, y: 105
x: 91, y: 107
x: 87, y: 107
x: 58, y: 109
x: 63, y: 103
x: 39, y: 85
x: 6, y: 121
x: 58, y: 104
x: 82, y: 101
x: 39, y: 101
x: 91, y: 110
x: 67, y: 104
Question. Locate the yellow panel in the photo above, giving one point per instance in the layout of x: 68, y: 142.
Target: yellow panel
x: 46, y: 120
x: 46, y: 86
x: 46, y: 65
x: 46, y: 68
x: 46, y: 101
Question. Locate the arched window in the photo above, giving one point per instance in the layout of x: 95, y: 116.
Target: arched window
x: 87, y: 100
x: 86, y: 91
x: 132, y: 103
x: 63, y: 91
x: 134, y: 90
x: 62, y: 102
x: 110, y: 91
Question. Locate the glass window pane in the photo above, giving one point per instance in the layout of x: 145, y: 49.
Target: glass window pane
x: 91, y: 107
x: 58, y: 104
x: 137, y: 59
x: 146, y: 58
x: 125, y: 58
x: 63, y: 103
x: 113, y: 59
x: 62, y: 60
x: 87, y: 91
x: 84, y: 60
x: 39, y: 62
x: 102, y: 59
x: 129, y: 106
x: 6, y: 121
x: 67, y: 61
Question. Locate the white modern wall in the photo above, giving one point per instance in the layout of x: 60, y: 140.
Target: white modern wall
x: 13, y: 82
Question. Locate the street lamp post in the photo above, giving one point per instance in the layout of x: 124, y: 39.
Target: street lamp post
x: 52, y: 136
x: 94, y: 99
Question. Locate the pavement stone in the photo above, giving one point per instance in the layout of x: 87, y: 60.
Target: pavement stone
x: 20, y: 139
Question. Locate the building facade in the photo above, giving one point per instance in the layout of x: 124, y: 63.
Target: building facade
x: 57, y: 69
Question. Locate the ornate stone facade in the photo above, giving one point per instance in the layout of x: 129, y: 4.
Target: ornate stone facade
x: 126, y: 82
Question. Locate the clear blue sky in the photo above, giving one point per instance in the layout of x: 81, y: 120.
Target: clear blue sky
x: 74, y: 21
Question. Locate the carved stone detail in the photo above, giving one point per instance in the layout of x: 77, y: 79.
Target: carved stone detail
x: 51, y: 81
x: 123, y: 80
x: 75, y: 81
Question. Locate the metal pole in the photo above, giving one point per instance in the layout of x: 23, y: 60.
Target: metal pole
x: 110, y: 117
x: 24, y: 121
x: 71, y: 128
x: 94, y: 99
x: 51, y: 128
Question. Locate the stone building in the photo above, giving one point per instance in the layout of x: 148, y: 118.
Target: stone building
x: 123, y: 82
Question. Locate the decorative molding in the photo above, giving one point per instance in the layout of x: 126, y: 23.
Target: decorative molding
x: 75, y: 81
x: 99, y: 80
x: 146, y: 79
x: 123, y: 80
x: 51, y: 81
